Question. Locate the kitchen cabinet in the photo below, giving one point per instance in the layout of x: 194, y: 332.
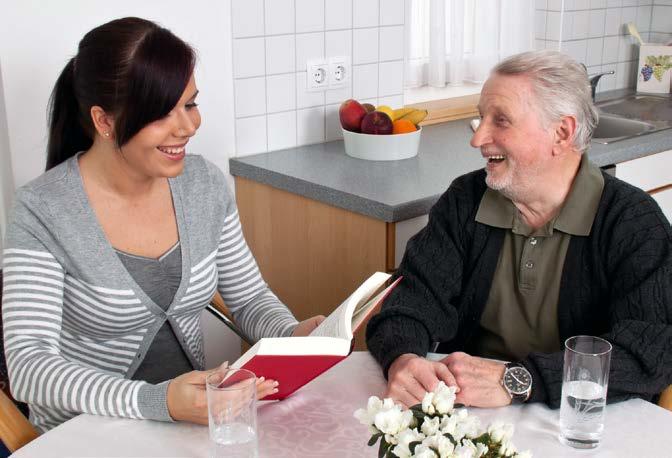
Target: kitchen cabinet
x: 312, y: 255
x: 653, y: 174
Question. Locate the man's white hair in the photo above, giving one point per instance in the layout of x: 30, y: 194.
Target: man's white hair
x: 561, y: 88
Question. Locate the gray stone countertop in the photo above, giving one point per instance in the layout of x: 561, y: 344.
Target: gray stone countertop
x: 398, y: 190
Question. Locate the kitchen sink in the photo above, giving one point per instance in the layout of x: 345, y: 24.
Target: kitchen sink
x: 614, y: 128
x: 631, y: 116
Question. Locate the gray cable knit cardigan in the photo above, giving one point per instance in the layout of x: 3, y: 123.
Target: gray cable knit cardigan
x: 616, y: 283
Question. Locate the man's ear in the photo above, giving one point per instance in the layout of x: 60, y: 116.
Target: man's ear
x: 102, y: 122
x: 564, y: 135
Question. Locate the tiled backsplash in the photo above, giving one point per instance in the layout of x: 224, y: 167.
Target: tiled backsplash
x: 272, y: 39
x: 593, y: 32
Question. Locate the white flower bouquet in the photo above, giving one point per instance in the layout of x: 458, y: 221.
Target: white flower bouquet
x: 434, y: 429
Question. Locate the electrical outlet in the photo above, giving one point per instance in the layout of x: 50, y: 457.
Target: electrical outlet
x: 317, y: 75
x: 339, y: 71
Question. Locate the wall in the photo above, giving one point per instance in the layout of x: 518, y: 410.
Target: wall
x: 661, y: 22
x: 593, y: 32
x: 6, y: 178
x: 36, y: 40
x: 272, y: 39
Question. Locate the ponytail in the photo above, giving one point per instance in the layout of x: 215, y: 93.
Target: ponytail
x: 66, y: 133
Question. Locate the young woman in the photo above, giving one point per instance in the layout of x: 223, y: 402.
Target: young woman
x: 113, y: 253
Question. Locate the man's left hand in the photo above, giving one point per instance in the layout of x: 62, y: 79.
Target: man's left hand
x: 479, y: 380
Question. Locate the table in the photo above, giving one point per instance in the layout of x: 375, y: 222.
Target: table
x: 317, y: 422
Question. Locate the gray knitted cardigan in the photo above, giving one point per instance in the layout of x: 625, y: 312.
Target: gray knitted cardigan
x: 77, y: 326
x: 616, y: 283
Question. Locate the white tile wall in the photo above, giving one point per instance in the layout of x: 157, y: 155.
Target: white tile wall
x: 594, y: 33
x: 280, y: 92
x: 309, y: 16
x: 366, y: 50
x: 279, y: 16
x: 282, y: 130
x: 273, y: 39
x: 280, y: 54
x: 391, y: 12
x: 366, y: 13
x: 338, y: 14
x: 391, y: 43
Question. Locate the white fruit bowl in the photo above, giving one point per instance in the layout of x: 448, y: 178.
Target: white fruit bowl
x: 382, y: 147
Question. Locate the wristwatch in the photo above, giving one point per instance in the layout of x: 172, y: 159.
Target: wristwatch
x: 517, y: 381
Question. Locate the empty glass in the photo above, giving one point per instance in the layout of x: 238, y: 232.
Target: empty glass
x: 584, y: 391
x: 232, y: 413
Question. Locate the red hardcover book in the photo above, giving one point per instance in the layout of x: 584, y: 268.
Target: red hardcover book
x: 295, y: 361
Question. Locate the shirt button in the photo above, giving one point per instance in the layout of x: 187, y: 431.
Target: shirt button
x: 529, y: 264
x: 533, y: 241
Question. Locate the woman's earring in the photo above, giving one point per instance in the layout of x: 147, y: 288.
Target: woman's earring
x: 107, y: 134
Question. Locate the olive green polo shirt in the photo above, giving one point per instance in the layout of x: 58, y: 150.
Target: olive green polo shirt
x: 521, y: 314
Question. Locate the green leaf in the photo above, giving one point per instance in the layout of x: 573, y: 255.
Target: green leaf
x: 420, y: 415
x: 482, y: 439
x: 382, y: 450
x: 412, y: 445
x: 374, y: 439
x: 450, y: 436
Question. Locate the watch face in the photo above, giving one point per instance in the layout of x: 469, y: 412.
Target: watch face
x: 517, y: 380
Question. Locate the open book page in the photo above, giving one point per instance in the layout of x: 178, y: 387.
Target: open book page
x: 362, y: 312
x: 339, y: 323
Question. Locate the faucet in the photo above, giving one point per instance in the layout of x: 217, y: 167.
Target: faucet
x: 594, y: 79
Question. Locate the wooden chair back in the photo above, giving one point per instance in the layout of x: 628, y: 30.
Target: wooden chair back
x: 665, y: 400
x: 15, y: 429
x: 219, y: 309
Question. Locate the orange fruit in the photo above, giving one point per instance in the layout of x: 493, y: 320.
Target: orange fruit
x: 403, y: 126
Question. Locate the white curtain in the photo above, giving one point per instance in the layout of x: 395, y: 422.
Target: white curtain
x: 456, y: 41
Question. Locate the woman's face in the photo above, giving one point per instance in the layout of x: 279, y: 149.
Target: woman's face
x: 158, y: 149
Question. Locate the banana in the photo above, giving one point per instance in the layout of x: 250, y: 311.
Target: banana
x: 401, y: 112
x: 387, y: 110
x: 416, y: 116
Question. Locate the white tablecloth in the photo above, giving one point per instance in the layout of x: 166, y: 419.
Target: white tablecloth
x: 317, y: 422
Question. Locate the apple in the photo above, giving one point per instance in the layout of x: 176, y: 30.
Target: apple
x: 369, y: 107
x: 351, y: 113
x: 377, y: 123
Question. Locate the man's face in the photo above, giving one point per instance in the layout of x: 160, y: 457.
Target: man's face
x: 512, y: 137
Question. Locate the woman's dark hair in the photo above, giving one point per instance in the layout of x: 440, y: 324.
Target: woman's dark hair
x: 132, y: 68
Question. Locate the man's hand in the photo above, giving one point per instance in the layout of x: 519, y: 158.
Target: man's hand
x: 479, y: 380
x: 306, y: 326
x: 410, y: 377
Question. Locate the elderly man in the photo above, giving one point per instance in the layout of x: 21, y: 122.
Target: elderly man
x: 539, y: 246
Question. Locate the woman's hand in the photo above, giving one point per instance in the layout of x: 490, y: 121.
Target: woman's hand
x: 306, y: 327
x: 266, y: 387
x: 186, y: 398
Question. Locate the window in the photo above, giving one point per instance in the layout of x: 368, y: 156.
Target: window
x: 457, y: 42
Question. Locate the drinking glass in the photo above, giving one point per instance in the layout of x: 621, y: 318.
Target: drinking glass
x: 584, y: 391
x: 232, y: 413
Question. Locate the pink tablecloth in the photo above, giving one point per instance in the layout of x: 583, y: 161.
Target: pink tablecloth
x: 317, y: 422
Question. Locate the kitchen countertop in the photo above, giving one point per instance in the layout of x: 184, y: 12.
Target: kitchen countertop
x: 398, y: 190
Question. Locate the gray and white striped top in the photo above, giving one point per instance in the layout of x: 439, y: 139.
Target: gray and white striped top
x: 76, y: 324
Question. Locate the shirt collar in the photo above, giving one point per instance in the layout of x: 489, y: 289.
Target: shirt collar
x: 576, y: 215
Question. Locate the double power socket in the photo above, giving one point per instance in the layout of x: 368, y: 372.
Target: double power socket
x: 331, y: 73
